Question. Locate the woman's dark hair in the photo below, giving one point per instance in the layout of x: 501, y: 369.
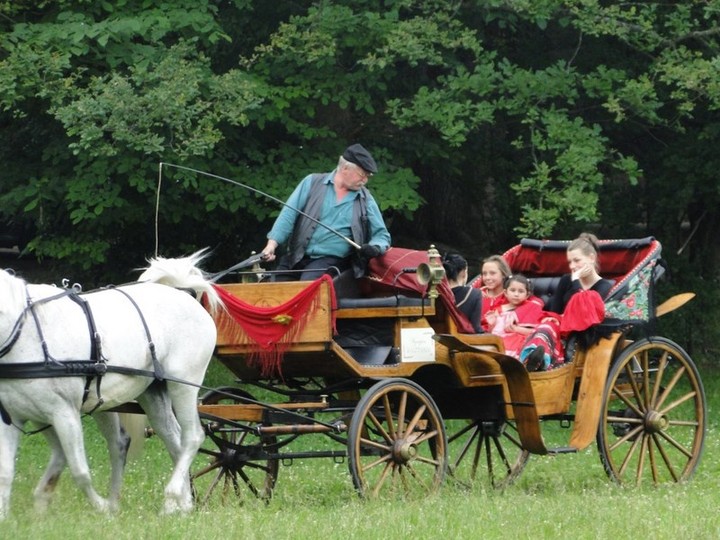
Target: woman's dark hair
x: 520, y: 278
x: 454, y: 263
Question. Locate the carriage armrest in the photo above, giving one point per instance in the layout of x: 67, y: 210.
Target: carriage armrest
x: 385, y: 301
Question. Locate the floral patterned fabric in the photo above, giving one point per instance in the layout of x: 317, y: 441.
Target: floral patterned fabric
x: 635, y: 303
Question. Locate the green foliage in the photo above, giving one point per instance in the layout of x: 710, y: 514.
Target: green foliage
x: 490, y: 119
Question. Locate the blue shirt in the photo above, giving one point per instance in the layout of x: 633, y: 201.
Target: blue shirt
x: 335, y: 214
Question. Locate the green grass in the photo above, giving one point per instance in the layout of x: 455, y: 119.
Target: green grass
x: 567, y: 496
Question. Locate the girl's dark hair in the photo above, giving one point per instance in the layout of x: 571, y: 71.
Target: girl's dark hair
x: 454, y: 263
x: 520, y: 278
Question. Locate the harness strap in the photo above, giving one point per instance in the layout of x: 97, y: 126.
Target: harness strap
x: 95, y: 351
x: 158, y: 369
x: 4, y: 415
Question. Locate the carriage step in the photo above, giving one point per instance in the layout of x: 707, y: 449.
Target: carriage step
x: 562, y: 450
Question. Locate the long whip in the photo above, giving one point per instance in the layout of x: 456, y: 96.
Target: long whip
x: 254, y: 190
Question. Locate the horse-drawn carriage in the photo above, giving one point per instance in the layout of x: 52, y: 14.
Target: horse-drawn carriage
x: 386, y: 370
x: 383, y: 369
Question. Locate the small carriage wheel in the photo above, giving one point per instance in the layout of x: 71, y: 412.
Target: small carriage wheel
x: 238, y: 458
x: 486, y: 452
x: 396, y: 441
x: 652, y: 426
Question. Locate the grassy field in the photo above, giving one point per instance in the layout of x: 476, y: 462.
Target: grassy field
x: 567, y: 496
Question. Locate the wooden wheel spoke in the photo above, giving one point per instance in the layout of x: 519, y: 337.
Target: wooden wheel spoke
x: 429, y: 461
x: 634, y: 386
x: 467, y: 445
x: 653, y: 463
x: 641, y: 460
x: 389, y: 416
x: 618, y: 393
x: 666, y: 458
x: 374, y: 444
x: 629, y: 435
x: 415, y: 419
x: 678, y: 401
x: 421, y: 438
x: 514, y: 440
x: 665, y: 435
x: 213, y: 485
x: 383, y: 476
x: 209, y: 467
x: 389, y: 437
x: 628, y: 456
x: 401, y: 414
x: 624, y: 420
x: 383, y: 459
x: 410, y: 469
x: 662, y: 363
x: 688, y: 423
x: 668, y: 389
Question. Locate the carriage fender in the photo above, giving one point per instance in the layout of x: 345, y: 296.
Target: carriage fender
x: 519, y: 386
x: 591, y: 391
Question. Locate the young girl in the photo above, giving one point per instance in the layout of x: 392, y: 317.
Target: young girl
x: 494, y: 272
x: 517, y: 318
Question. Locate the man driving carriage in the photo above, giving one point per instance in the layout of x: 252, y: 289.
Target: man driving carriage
x: 348, y: 212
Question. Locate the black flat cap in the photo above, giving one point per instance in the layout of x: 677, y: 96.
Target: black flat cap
x: 357, y: 154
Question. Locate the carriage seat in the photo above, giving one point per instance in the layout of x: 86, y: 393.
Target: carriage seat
x: 545, y: 287
x: 349, y: 295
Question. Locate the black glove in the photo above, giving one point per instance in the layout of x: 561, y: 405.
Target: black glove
x: 369, y: 251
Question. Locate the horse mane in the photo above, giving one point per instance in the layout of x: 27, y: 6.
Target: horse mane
x: 183, y: 273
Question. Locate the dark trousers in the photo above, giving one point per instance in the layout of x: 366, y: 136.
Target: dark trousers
x: 308, y: 269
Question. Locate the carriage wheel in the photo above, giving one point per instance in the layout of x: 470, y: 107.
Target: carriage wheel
x: 486, y: 452
x: 238, y: 457
x: 652, y: 426
x: 396, y: 440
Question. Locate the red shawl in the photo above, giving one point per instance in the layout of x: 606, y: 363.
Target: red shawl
x: 273, y: 329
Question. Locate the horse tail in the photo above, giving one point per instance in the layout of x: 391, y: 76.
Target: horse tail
x: 183, y: 273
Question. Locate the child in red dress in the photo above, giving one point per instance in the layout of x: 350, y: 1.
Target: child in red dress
x: 518, y: 317
x: 494, y: 272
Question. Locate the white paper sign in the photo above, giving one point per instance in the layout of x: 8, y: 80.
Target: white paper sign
x: 417, y: 345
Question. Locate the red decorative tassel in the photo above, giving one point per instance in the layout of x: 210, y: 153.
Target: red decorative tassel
x: 273, y: 329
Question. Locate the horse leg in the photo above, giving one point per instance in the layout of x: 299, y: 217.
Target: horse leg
x: 69, y: 432
x: 9, y: 440
x: 118, y: 443
x: 45, y: 488
x: 170, y: 417
x: 178, y: 492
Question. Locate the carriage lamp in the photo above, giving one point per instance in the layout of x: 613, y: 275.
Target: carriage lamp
x: 431, y: 272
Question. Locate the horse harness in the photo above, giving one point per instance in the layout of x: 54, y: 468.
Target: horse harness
x: 93, y: 368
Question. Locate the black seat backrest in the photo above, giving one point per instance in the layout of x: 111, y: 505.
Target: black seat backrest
x: 545, y: 287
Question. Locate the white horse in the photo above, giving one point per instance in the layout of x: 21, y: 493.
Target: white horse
x: 156, y: 342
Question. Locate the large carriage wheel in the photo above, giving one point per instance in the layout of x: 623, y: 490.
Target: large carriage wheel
x: 486, y: 452
x: 396, y: 440
x: 239, y: 456
x: 652, y: 426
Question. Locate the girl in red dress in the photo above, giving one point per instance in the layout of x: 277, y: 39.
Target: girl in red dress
x: 516, y: 319
x: 494, y: 272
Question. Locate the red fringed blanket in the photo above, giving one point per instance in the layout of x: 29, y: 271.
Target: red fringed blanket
x: 273, y: 329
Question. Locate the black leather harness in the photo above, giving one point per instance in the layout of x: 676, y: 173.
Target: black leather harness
x: 92, y: 368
